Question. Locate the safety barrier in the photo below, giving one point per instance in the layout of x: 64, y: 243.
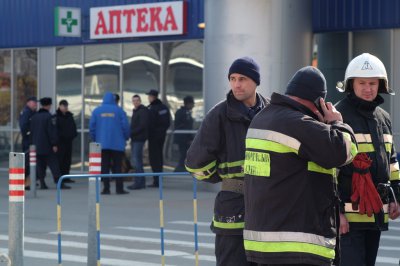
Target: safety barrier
x: 161, y: 207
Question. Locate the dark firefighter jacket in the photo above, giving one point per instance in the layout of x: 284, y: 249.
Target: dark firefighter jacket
x: 289, y: 168
x: 217, y: 153
x: 44, y: 132
x: 373, y: 131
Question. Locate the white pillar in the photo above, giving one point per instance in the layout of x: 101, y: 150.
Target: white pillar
x: 276, y: 33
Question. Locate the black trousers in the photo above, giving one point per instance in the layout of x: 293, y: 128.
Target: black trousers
x: 156, y: 147
x: 112, y: 160
x: 51, y: 160
x: 229, y: 251
x: 359, y: 247
x: 64, y: 155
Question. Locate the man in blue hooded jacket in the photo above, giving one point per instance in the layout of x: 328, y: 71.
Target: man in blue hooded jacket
x: 109, y: 126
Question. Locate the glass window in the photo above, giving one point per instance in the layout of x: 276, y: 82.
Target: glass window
x: 69, y: 87
x: 141, y: 67
x: 25, y: 79
x: 5, y: 148
x: 5, y: 88
x: 102, y: 64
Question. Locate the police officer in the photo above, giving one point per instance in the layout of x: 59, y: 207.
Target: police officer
x: 365, y: 80
x: 25, y: 127
x: 159, y: 124
x: 44, y: 137
x: 292, y: 151
x: 183, y: 121
x: 217, y: 155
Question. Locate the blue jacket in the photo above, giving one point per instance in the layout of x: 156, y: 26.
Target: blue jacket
x: 109, y: 125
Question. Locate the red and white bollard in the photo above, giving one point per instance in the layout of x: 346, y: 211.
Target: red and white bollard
x: 16, y: 208
x: 32, y: 166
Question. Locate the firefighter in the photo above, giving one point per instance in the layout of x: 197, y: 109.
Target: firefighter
x: 217, y: 155
x: 292, y: 151
x: 360, y: 223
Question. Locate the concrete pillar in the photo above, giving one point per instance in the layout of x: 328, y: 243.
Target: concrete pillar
x: 276, y: 33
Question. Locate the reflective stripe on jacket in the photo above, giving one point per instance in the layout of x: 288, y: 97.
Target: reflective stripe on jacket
x: 290, y: 184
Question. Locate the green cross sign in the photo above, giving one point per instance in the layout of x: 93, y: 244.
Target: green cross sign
x: 69, y: 21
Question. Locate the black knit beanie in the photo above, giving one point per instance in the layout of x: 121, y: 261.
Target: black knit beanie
x: 247, y: 67
x: 307, y: 83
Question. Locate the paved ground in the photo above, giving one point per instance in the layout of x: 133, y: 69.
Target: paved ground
x: 130, y: 227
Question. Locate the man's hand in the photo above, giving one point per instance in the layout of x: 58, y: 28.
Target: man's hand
x: 330, y: 112
x: 394, y: 210
x: 55, y: 149
x: 344, y: 224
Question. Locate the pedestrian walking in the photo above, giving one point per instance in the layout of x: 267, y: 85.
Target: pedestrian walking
x: 292, y: 151
x: 139, y: 134
x: 25, y: 127
x: 159, y: 124
x: 217, y: 155
x: 370, y: 187
x: 45, y: 138
x: 67, y: 131
x: 183, y: 121
x: 109, y: 126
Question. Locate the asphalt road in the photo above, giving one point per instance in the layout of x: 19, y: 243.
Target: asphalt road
x: 130, y: 233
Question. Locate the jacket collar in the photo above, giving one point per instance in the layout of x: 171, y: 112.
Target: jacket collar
x: 284, y: 100
x: 236, y: 109
x: 362, y: 105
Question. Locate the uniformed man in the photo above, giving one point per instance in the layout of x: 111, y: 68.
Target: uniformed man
x: 44, y: 137
x: 159, y: 124
x: 292, y: 151
x: 25, y: 127
x: 217, y: 155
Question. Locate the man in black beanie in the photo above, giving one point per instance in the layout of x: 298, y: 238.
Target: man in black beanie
x: 217, y: 154
x: 292, y: 151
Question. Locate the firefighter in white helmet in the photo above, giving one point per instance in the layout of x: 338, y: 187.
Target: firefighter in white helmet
x: 369, y: 187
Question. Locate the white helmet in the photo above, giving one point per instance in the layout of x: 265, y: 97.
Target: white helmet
x: 365, y: 66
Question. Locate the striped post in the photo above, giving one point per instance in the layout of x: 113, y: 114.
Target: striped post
x: 160, y: 189
x: 16, y: 208
x: 32, y: 166
x: 93, y: 251
x: 196, y: 244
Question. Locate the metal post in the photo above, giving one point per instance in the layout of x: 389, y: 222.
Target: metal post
x: 32, y: 166
x: 160, y: 188
x: 196, y: 245
x: 16, y: 208
x: 93, y: 206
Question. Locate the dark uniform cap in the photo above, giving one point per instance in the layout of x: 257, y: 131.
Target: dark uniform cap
x: 45, y: 101
x: 153, y: 93
x: 63, y: 102
x: 33, y: 98
x: 307, y: 83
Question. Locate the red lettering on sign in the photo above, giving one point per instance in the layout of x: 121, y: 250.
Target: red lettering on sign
x: 129, y: 13
x: 101, y: 24
x: 155, y: 19
x: 115, y: 14
x: 142, y: 26
x: 170, y: 19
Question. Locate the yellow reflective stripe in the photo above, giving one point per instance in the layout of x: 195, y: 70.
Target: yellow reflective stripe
x: 395, y: 175
x: 348, y: 207
x: 388, y: 138
x: 223, y: 225
x: 269, y: 247
x: 394, y: 167
x: 204, y: 168
x: 257, y: 164
x: 232, y: 175
x: 363, y: 138
x: 231, y: 164
x: 268, y: 146
x: 254, y: 133
x: 202, y: 176
x: 313, y: 167
x: 388, y: 147
x: 352, y: 147
x: 363, y: 218
x: 364, y: 147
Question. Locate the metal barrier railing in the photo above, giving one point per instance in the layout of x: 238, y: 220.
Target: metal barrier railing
x: 161, y: 207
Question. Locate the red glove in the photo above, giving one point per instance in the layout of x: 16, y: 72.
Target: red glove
x: 364, y: 193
